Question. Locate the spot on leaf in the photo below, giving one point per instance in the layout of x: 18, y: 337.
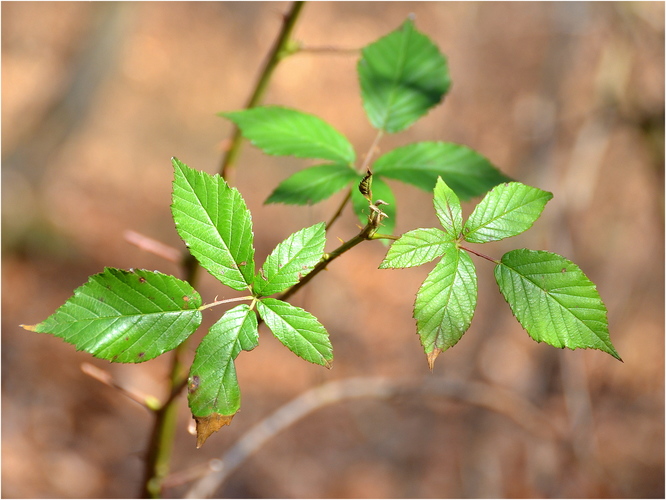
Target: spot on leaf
x: 194, y: 384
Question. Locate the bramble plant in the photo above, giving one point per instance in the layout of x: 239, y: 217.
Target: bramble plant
x: 136, y: 315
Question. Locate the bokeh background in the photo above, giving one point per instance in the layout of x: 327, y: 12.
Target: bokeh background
x: 569, y: 97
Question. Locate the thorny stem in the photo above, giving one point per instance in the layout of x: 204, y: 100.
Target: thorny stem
x: 158, y: 456
x: 367, y: 233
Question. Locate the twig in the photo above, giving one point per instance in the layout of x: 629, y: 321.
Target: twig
x: 150, y: 403
x: 304, y: 49
x: 153, y: 246
x: 494, y: 399
x: 367, y: 233
x: 278, y: 52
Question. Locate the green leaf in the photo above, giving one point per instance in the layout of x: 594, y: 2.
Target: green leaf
x: 445, y: 303
x: 448, y: 209
x: 402, y: 76
x: 126, y: 316
x: 288, y: 132
x: 298, y: 330
x: 464, y: 170
x: 380, y: 191
x: 313, y: 184
x: 212, y: 384
x: 554, y: 301
x: 291, y: 260
x: 215, y: 224
x: 507, y: 210
x: 416, y: 247
x: 213, y: 393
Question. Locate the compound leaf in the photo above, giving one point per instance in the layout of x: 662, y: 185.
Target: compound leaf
x: 298, y: 330
x: 126, y: 316
x: 287, y: 132
x: 448, y: 209
x: 464, y: 170
x: 445, y: 303
x: 554, y: 301
x: 402, y: 76
x: 313, y: 184
x: 291, y: 260
x: 416, y: 247
x: 213, y: 393
x: 215, y: 224
x: 507, y: 210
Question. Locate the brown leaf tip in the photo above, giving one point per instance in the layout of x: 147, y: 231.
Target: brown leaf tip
x: 432, y: 356
x: 209, y: 424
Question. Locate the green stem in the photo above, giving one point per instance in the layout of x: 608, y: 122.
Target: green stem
x: 279, y: 51
x: 367, y: 233
x: 338, y: 212
x: 162, y: 438
x: 160, y: 447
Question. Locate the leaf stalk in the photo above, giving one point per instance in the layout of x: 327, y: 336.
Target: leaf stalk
x: 479, y: 254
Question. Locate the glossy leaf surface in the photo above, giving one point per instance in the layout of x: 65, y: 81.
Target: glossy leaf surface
x: 298, y: 330
x: 416, y: 247
x: 215, y: 224
x: 212, y: 384
x: 445, y: 303
x: 553, y: 300
x: 287, y: 132
x: 291, y: 260
x: 447, y: 208
x: 464, y: 170
x: 126, y: 316
x: 507, y: 210
x: 313, y: 184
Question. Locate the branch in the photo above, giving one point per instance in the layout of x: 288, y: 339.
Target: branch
x: 158, y: 457
x: 367, y: 233
x: 153, y: 246
x: 495, y: 399
x: 150, y: 403
x: 280, y: 51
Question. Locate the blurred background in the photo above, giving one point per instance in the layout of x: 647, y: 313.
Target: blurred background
x: 569, y: 97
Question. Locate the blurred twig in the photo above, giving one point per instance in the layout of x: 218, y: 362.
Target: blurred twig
x: 279, y: 51
x: 153, y: 246
x: 149, y: 402
x: 479, y: 394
